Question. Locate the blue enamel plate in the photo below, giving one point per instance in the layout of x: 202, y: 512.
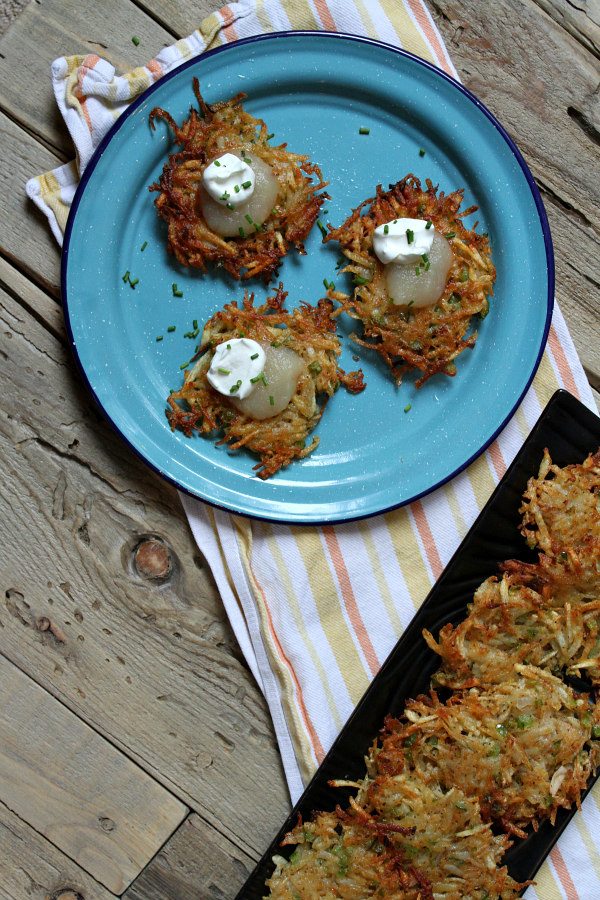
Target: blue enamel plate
x: 315, y: 91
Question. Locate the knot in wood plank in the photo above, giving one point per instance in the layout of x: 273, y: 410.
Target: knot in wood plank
x: 66, y: 894
x: 153, y: 559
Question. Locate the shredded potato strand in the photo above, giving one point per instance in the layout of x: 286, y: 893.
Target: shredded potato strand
x: 310, y: 332
x: 212, y: 131
x: 511, y: 746
x: 429, y: 338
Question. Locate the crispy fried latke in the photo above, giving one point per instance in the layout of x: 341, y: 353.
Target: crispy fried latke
x: 445, y: 836
x: 430, y: 338
x: 523, y: 749
x: 339, y: 854
x: 512, y: 746
x: 310, y: 332
x: 523, y: 617
x: 213, y: 130
x: 561, y: 517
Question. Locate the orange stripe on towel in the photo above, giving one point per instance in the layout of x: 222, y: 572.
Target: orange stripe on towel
x: 349, y: 599
x: 563, y: 873
x: 314, y: 737
x: 228, y: 19
x: 427, y: 538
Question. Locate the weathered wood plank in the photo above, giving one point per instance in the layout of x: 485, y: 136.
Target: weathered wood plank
x: 76, y: 505
x: 555, y: 123
x: 73, y: 787
x: 581, y: 18
x: 180, y: 18
x: 196, y: 862
x: 33, y: 868
x: 48, y: 29
x: 25, y: 236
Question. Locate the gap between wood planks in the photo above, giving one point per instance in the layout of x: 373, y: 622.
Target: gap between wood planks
x: 70, y: 784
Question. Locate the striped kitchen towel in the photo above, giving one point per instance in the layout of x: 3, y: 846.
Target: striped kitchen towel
x: 317, y: 610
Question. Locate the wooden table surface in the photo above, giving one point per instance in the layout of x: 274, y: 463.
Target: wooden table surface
x: 137, y: 756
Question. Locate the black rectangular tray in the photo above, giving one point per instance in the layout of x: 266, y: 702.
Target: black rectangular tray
x: 570, y: 432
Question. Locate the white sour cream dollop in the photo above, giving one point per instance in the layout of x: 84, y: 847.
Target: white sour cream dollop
x: 402, y: 240
x: 236, y: 367
x: 229, y: 180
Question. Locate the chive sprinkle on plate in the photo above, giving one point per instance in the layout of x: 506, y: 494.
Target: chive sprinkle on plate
x: 363, y: 130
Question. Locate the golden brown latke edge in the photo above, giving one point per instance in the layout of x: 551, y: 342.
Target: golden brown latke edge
x: 213, y: 412
x: 245, y: 257
x: 461, y: 300
x: 530, y: 574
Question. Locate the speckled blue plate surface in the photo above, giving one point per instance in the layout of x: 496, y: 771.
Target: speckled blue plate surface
x: 315, y: 91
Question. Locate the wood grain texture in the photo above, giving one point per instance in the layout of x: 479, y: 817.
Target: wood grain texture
x: 76, y: 505
x: 48, y: 29
x: 31, y: 868
x: 73, y: 787
x: 543, y: 86
x: 177, y: 17
x: 25, y: 238
x: 197, y: 863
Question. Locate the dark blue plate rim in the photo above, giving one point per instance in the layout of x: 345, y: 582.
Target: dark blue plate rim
x: 337, y: 35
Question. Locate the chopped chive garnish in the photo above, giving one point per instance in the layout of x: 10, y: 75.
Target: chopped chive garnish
x: 235, y: 387
x: 364, y: 130
x: 159, y: 337
x: 408, y: 407
x: 322, y: 228
x: 421, y: 152
x: 246, y: 159
x: 224, y: 371
x: 274, y: 211
x: 126, y: 276
x: 185, y: 364
x: 429, y: 224
x: 178, y: 293
x: 226, y: 195
x: 246, y: 185
x: 314, y: 367
x: 417, y: 270
x: 248, y: 218
x: 195, y: 324
x: 450, y: 234
x: 217, y: 163
x: 228, y: 346
x: 143, y: 247
x: 271, y: 400
x: 134, y: 281
x: 424, y: 257
x: 254, y: 356
x: 236, y: 188
x: 272, y: 135
x: 386, y: 229
x: 263, y: 378
x: 135, y: 40
x: 171, y: 328
x: 358, y: 279
x: 326, y: 284
x: 229, y: 205
x: 256, y: 378
x: 241, y: 231
x: 464, y: 275
x: 410, y: 236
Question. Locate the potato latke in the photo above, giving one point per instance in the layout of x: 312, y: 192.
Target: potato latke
x: 510, y: 747
x: 430, y: 338
x: 310, y: 332
x: 213, y: 130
